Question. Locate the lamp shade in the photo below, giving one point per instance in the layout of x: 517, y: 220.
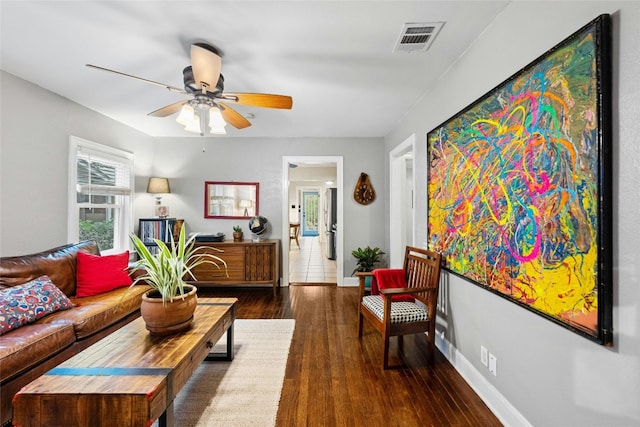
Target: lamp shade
x: 158, y: 185
x: 194, y: 125
x: 216, y: 122
x: 186, y: 115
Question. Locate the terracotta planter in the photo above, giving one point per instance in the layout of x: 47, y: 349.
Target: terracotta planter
x: 169, y: 318
x: 237, y: 237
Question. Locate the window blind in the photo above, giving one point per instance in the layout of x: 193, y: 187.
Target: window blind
x: 101, y: 173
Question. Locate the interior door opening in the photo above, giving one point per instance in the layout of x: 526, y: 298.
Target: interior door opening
x: 402, y: 200
x: 307, y: 181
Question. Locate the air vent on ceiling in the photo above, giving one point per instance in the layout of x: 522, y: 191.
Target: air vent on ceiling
x: 417, y: 36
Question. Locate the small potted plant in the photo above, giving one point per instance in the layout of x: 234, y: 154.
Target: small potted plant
x: 367, y: 259
x: 169, y: 305
x: 237, y: 233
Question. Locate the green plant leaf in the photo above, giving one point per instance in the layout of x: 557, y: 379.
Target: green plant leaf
x: 167, y: 270
x: 367, y: 258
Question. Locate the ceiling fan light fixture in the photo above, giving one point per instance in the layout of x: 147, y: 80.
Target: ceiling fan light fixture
x: 216, y: 122
x: 215, y: 130
x: 215, y: 117
x: 194, y: 125
x: 186, y: 115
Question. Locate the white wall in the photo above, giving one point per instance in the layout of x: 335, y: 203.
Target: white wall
x: 34, y: 147
x: 548, y: 375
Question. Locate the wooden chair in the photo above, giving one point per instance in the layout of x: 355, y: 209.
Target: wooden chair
x: 420, y: 279
x: 294, y: 232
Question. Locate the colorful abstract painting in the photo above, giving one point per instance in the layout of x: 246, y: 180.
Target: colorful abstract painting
x: 518, y: 186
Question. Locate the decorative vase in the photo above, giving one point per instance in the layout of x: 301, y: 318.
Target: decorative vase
x: 169, y: 317
x: 237, y: 237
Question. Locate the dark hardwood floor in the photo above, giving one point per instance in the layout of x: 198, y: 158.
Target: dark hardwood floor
x: 333, y: 379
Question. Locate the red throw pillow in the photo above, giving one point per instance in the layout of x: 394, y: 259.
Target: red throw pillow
x: 98, y: 274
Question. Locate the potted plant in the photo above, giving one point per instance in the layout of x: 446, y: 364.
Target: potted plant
x: 367, y: 259
x: 169, y: 305
x: 237, y: 233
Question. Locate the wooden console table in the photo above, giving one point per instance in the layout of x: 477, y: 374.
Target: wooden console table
x: 128, y: 378
x: 249, y: 264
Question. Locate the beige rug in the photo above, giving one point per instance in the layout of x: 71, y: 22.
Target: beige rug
x: 246, y: 391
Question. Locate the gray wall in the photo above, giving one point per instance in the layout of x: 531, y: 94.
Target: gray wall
x: 547, y: 375
x: 260, y: 160
x: 34, y: 149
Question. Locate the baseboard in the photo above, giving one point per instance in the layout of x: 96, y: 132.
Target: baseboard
x: 350, y: 281
x: 499, y: 405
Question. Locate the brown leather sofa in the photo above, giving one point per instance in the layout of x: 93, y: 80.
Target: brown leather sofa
x: 32, y: 349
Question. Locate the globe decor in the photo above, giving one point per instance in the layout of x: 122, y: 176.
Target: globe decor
x: 258, y: 226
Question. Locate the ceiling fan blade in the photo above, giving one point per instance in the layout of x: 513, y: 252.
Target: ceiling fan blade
x: 167, y: 110
x: 170, y: 88
x: 206, y: 66
x: 264, y: 100
x: 234, y: 118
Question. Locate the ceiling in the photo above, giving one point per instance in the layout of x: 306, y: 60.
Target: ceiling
x: 333, y: 57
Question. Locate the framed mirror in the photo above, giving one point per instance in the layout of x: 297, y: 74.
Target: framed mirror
x: 231, y: 199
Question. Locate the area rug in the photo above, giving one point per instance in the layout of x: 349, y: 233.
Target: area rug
x: 245, y: 391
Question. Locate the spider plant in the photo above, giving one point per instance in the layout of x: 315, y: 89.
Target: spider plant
x: 167, y: 270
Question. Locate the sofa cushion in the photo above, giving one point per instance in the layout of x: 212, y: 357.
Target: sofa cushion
x: 57, y: 263
x: 29, y: 302
x: 94, y: 313
x: 99, y: 274
x: 31, y: 344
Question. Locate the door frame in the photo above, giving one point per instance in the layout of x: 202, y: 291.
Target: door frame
x: 397, y: 200
x: 338, y: 161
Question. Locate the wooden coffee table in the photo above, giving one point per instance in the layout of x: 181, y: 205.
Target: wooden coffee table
x: 129, y: 378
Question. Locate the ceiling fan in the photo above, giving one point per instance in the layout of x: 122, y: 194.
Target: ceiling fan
x: 208, y: 104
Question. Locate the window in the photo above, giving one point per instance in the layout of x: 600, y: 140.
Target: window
x: 100, y: 194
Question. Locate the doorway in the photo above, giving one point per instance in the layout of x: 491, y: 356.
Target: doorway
x: 308, y: 174
x: 402, y: 200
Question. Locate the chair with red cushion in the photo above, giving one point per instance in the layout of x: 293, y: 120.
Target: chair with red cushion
x: 403, y: 301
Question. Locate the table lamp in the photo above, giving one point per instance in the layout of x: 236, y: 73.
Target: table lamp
x: 158, y: 186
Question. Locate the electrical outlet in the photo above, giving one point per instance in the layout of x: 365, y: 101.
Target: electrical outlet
x: 493, y: 364
x: 484, y: 355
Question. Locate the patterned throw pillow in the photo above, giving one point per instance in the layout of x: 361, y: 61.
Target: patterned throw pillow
x: 29, y: 302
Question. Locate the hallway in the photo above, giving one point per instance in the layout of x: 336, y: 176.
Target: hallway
x: 309, y: 263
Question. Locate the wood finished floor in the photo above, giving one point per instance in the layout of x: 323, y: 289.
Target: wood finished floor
x: 333, y: 379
